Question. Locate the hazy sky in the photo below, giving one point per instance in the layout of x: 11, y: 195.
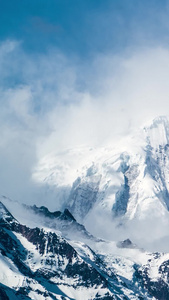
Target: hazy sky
x: 76, y: 72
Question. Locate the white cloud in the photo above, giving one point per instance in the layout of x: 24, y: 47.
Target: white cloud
x: 123, y: 93
x: 50, y: 102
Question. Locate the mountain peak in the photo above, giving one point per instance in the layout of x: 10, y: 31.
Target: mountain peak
x: 161, y: 119
x: 157, y: 133
x: 5, y: 215
x: 164, y: 119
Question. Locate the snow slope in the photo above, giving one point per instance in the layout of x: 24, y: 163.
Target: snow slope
x: 116, y: 191
x: 38, y: 263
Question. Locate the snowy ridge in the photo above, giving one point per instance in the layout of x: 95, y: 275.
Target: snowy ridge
x: 43, y: 263
x: 40, y: 264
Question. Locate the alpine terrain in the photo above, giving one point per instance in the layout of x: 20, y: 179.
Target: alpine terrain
x: 102, y: 232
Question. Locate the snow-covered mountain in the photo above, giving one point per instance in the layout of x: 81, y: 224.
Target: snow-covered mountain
x: 122, y: 188
x: 102, y: 232
x: 39, y: 263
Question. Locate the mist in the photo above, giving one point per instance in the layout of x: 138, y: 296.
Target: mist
x: 50, y: 103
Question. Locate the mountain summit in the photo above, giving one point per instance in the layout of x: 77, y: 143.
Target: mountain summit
x: 125, y: 185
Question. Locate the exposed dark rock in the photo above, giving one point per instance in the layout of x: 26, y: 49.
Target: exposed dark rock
x: 88, y: 275
x: 43, y: 211
x: 3, y: 295
x: 158, y: 288
x: 68, y: 215
x: 126, y: 244
x: 121, y: 199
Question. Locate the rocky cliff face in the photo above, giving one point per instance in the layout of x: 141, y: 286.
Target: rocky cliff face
x: 37, y: 263
x: 44, y: 263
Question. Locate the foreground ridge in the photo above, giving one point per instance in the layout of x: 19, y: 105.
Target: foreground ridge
x: 38, y: 263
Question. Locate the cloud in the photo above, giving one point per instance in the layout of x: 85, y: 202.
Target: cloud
x: 122, y: 94
x: 50, y: 102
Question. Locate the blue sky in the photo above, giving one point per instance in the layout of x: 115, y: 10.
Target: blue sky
x: 76, y: 73
x: 83, y: 27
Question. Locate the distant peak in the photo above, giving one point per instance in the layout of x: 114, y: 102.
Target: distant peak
x: 157, y: 131
x: 156, y: 122
x: 69, y: 215
x: 5, y: 215
x: 161, y: 120
x: 126, y: 244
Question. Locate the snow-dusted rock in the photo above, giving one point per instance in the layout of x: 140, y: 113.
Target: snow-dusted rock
x: 116, y: 191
